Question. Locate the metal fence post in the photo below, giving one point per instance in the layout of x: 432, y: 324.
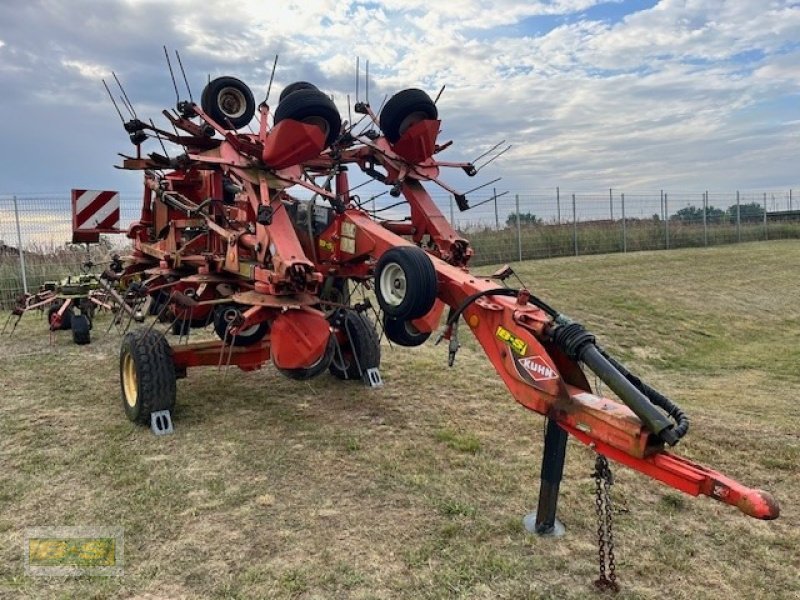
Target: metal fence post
x: 661, y: 205
x: 765, y: 216
x: 666, y: 223
x: 611, y: 203
x: 19, y: 248
x: 519, y: 229
x: 574, y: 225
x: 452, y: 216
x: 738, y: 219
x: 705, y: 218
x: 790, y: 199
x: 496, y: 214
x: 558, y: 204
x: 624, y: 230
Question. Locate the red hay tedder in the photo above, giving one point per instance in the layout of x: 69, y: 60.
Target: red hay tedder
x: 221, y: 240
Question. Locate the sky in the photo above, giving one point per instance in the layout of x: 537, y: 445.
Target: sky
x: 627, y: 94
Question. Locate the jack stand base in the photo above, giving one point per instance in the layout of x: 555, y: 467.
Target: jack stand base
x: 372, y: 378
x: 161, y: 422
x: 557, y: 529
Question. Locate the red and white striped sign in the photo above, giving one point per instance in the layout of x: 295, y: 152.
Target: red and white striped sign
x: 95, y: 211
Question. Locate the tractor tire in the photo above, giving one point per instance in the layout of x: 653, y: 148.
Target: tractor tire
x: 403, y: 110
x: 224, y: 314
x: 147, y: 374
x: 80, y: 329
x: 293, y: 87
x: 405, y: 283
x: 66, y: 320
x: 229, y: 102
x: 311, y: 106
x: 317, y: 368
x: 362, y: 348
x: 403, y: 333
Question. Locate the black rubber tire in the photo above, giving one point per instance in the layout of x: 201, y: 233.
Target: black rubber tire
x: 365, y: 346
x: 87, y: 308
x: 403, y: 333
x: 415, y: 279
x: 152, y: 366
x: 221, y: 320
x: 306, y: 104
x: 401, y: 106
x: 236, y: 91
x: 66, y: 321
x: 335, y: 290
x: 293, y: 87
x: 157, y: 302
x: 323, y: 363
x: 80, y: 330
x: 182, y: 326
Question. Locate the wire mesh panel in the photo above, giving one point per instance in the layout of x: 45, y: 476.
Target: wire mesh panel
x: 41, y: 225
x: 502, y: 227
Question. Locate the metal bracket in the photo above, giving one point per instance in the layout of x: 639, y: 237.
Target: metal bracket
x: 161, y: 422
x: 372, y: 378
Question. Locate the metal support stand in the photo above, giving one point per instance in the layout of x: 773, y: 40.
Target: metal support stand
x: 544, y: 522
x: 372, y: 378
x: 161, y: 422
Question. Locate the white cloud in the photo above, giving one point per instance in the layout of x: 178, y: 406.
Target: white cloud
x: 672, y: 93
x: 86, y: 69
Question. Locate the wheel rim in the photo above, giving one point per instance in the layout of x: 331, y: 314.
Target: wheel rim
x: 411, y: 330
x: 412, y: 119
x: 129, y: 384
x: 232, y: 102
x: 393, y: 284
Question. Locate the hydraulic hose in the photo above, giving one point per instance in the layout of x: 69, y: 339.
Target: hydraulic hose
x: 580, y: 345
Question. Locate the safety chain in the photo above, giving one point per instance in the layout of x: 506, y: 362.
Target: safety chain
x: 605, y: 536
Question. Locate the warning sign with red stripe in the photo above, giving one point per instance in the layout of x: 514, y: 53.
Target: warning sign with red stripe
x: 95, y: 211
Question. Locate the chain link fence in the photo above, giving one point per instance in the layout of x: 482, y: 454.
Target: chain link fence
x: 502, y: 228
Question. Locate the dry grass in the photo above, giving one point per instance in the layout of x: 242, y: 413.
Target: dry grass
x: 274, y: 489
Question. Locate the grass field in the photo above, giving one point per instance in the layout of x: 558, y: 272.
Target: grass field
x: 276, y: 489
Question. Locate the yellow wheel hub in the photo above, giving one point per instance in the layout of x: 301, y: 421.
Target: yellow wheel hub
x: 129, y: 384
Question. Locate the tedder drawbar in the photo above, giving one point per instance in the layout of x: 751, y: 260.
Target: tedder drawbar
x: 221, y: 241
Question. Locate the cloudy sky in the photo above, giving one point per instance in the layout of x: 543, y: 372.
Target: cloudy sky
x: 630, y: 94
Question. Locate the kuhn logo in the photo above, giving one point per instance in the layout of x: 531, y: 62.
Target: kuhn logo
x: 537, y: 368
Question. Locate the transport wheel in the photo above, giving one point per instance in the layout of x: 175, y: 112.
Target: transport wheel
x: 293, y: 87
x: 335, y: 290
x: 224, y: 314
x: 303, y: 374
x: 157, y: 302
x: 146, y: 373
x: 228, y: 100
x: 66, y: 319
x: 182, y: 326
x: 403, y: 110
x: 361, y: 346
x: 405, y: 283
x: 311, y: 106
x: 80, y: 329
x: 403, y: 333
